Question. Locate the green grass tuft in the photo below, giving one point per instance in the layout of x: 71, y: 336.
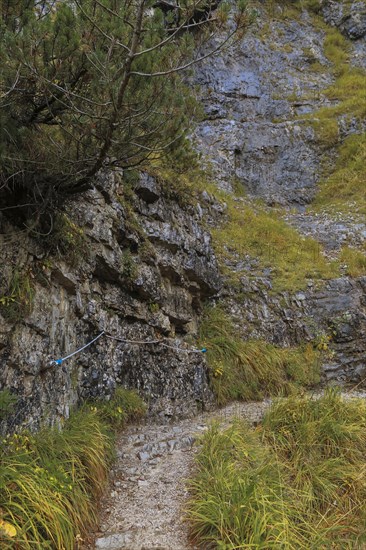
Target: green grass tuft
x: 344, y: 188
x: 7, y: 403
x: 326, y: 129
x: 253, y: 369
x: 337, y: 49
x: 50, y: 482
x: 297, y: 483
x: 17, y: 300
x: 255, y: 231
x: 354, y: 260
x: 126, y: 405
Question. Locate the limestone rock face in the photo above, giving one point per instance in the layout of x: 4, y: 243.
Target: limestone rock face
x: 254, y: 102
x: 256, y: 95
x: 140, y: 273
x: 256, y: 136
x: 349, y: 17
x: 141, y: 265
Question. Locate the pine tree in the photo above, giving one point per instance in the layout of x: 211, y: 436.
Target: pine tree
x: 88, y: 84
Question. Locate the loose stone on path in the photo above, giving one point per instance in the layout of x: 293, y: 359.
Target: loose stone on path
x: 144, y: 509
x: 145, y: 506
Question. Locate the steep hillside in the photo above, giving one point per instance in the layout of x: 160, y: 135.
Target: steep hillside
x: 129, y: 261
x: 273, y: 232
x: 283, y: 136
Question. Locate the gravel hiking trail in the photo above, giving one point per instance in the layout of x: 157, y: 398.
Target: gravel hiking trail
x: 143, y: 508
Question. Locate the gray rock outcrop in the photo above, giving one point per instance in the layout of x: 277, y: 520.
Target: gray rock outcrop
x: 254, y: 135
x: 139, y: 273
x: 134, y: 263
x: 349, y: 17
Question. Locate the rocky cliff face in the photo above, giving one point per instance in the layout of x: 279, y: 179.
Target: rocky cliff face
x: 333, y: 316
x: 349, y: 17
x: 139, y: 271
x: 255, y: 134
x: 257, y: 94
x: 139, y: 265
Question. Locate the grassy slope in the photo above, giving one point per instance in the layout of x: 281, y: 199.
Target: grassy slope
x: 296, y: 482
x: 50, y: 482
x: 260, y: 233
x: 253, y: 369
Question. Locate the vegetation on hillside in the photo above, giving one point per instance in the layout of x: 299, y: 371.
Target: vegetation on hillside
x: 253, y: 369
x: 93, y: 84
x: 354, y: 260
x: 50, y: 482
x: 342, y: 188
x: 254, y: 230
x: 295, y: 482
